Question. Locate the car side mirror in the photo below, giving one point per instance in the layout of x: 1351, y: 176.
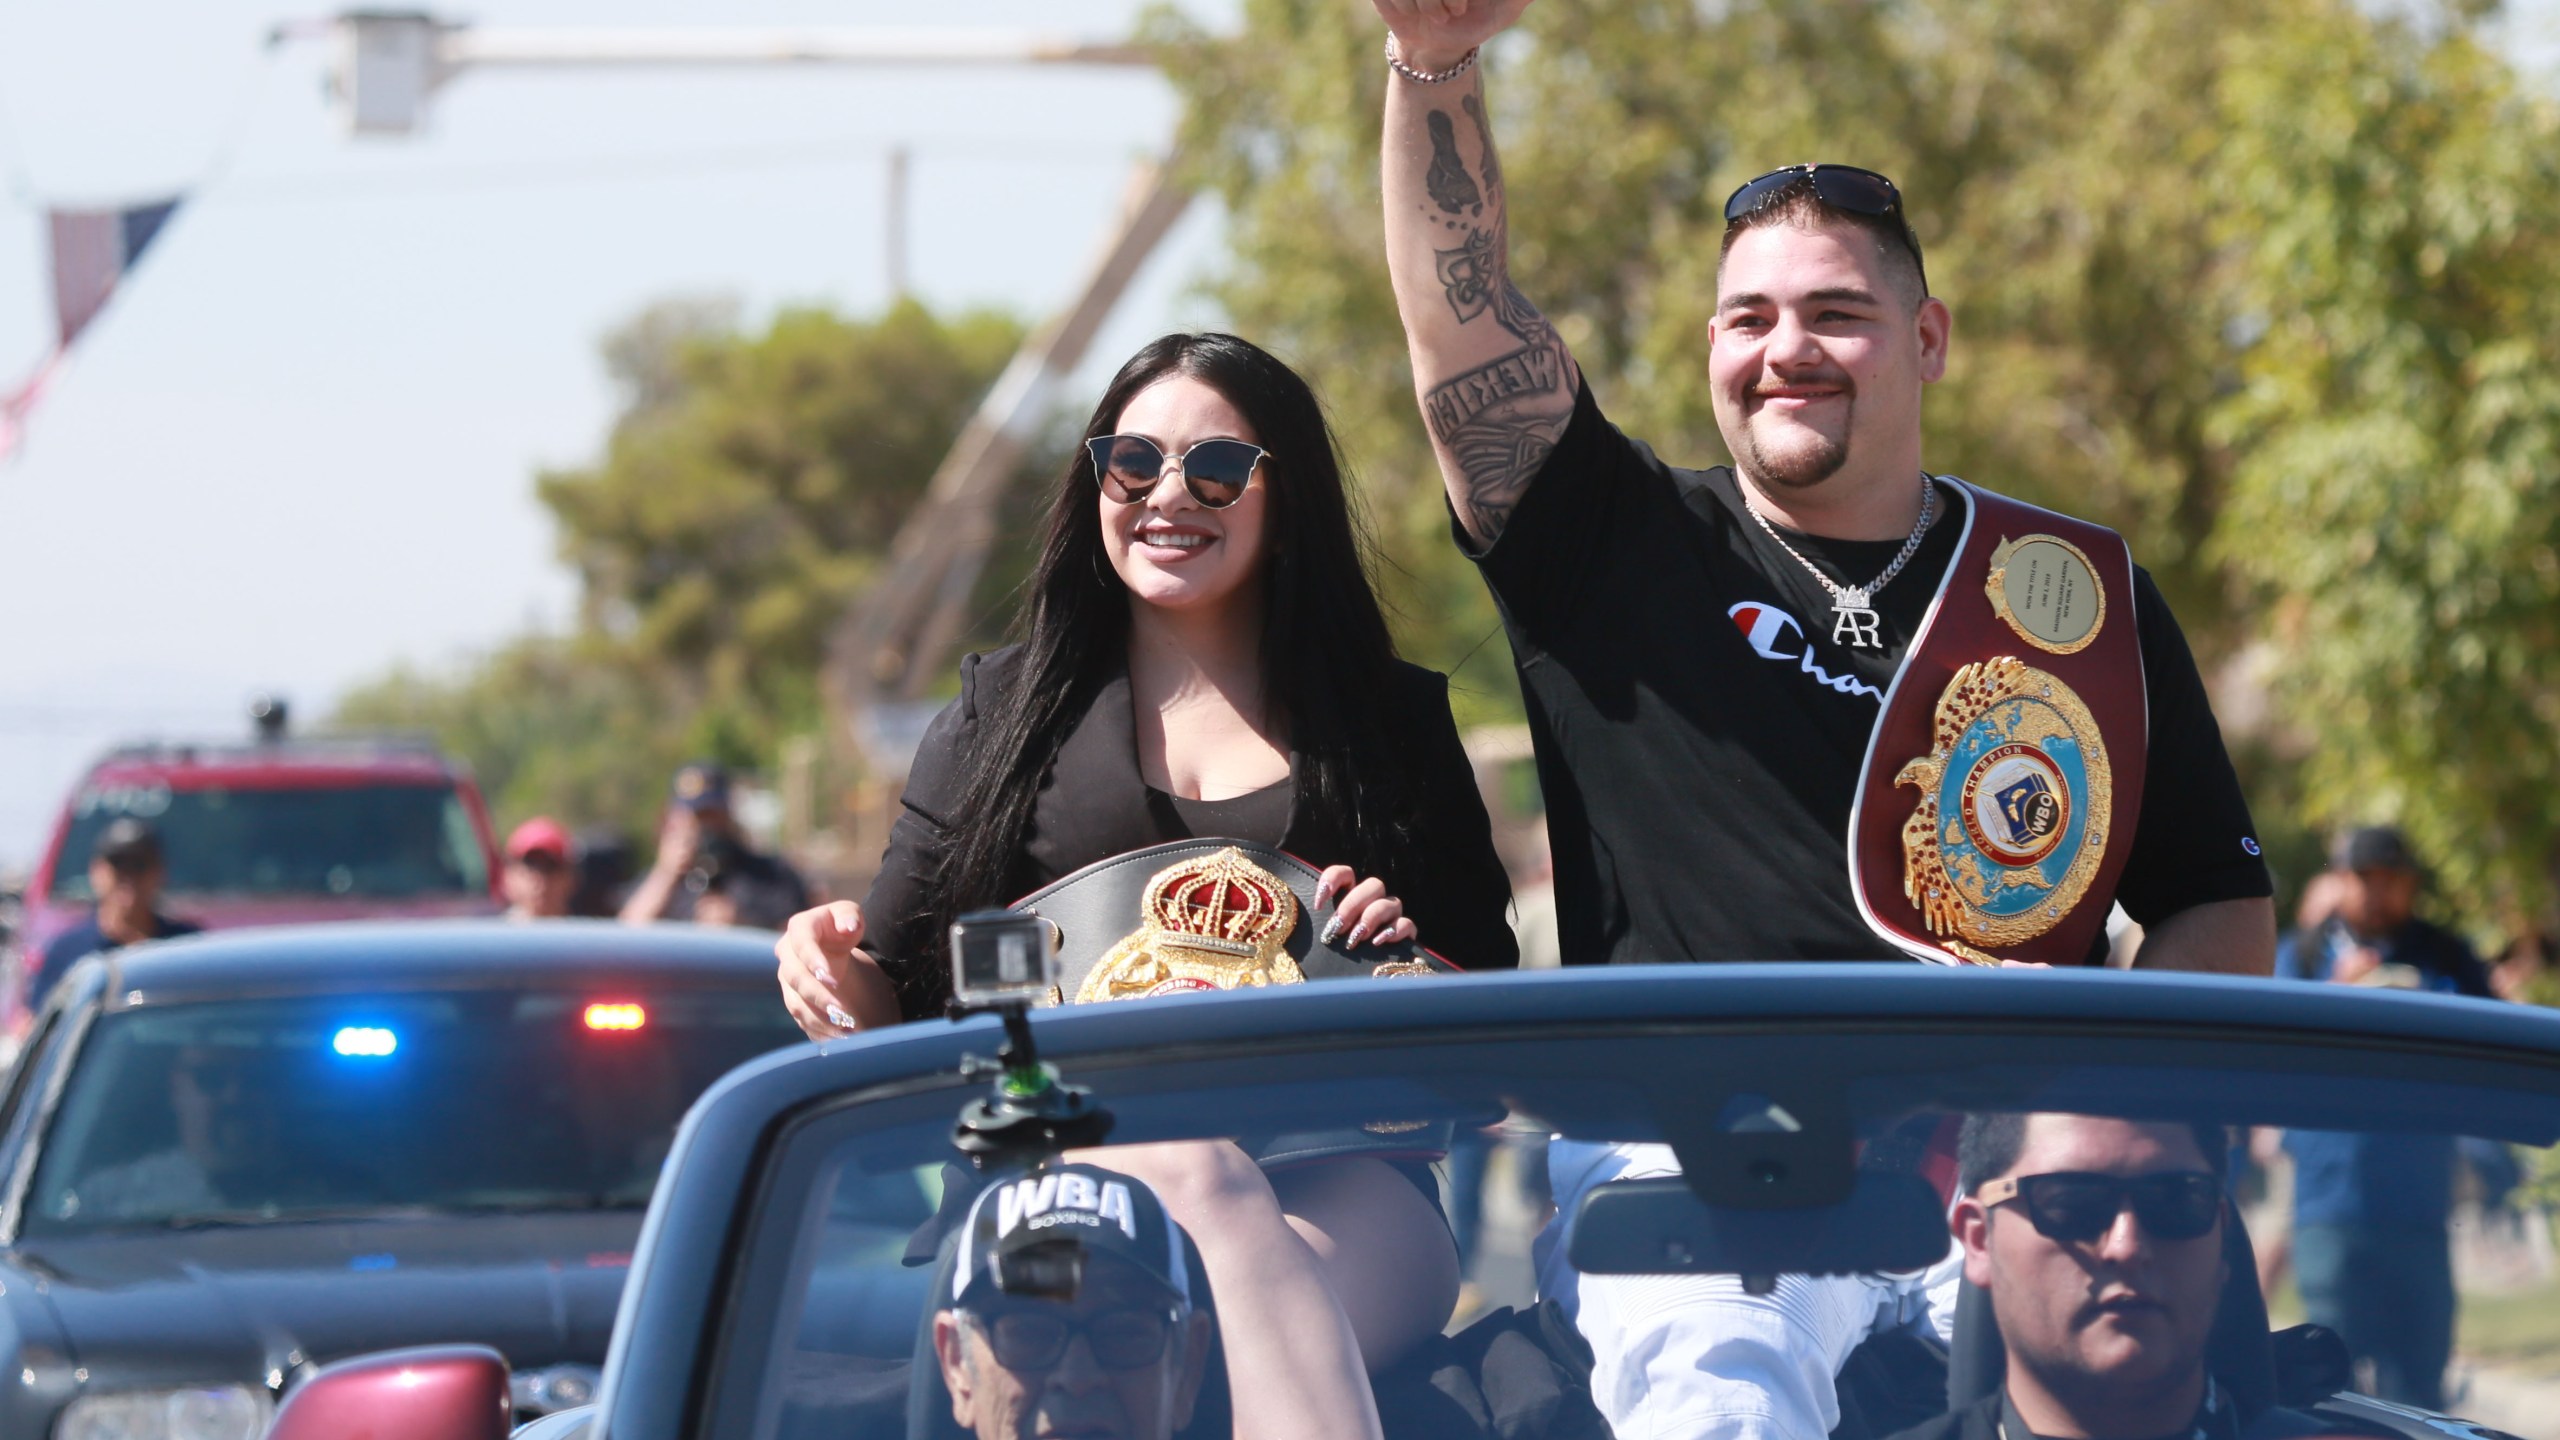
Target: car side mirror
x: 433, y: 1392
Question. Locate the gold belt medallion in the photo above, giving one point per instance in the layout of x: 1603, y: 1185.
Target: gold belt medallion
x: 1213, y: 922
x: 2047, y: 590
x: 2015, y: 799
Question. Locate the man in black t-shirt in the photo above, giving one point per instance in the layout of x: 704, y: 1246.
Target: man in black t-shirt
x: 126, y: 872
x: 1703, y: 654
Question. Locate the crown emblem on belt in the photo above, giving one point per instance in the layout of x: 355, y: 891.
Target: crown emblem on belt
x: 1226, y: 905
x: 1213, y: 922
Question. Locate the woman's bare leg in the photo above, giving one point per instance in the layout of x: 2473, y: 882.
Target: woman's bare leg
x: 1293, y: 1361
x: 1386, y: 1250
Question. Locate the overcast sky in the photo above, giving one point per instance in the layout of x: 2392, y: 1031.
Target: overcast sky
x: 299, y: 447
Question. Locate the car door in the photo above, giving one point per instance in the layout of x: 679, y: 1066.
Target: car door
x: 33, y: 1084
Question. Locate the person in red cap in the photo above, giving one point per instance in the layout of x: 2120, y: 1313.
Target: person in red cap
x: 539, y: 876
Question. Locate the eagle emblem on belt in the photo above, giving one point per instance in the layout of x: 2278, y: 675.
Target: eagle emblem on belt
x: 1214, y: 922
x: 2012, y: 816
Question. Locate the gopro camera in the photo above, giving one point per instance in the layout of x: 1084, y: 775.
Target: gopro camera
x: 1003, y: 957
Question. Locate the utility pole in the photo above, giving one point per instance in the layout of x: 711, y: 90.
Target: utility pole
x: 894, y: 215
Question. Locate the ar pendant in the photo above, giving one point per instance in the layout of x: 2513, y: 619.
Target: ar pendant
x: 1853, y: 621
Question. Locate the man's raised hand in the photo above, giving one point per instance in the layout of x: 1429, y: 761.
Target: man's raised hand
x: 1434, y: 35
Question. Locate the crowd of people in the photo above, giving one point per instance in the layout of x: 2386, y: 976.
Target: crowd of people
x: 707, y: 869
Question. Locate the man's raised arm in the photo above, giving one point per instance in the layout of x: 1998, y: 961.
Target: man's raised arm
x: 1495, y: 381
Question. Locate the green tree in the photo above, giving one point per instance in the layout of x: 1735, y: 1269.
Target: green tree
x: 2396, y: 502
x: 574, y: 727
x: 746, y: 494
x: 751, y: 486
x: 2198, y: 250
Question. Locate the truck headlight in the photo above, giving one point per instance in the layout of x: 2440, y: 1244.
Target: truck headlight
x: 202, y: 1412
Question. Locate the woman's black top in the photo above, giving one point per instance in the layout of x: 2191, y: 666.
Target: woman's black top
x: 1093, y: 805
x: 1249, y: 816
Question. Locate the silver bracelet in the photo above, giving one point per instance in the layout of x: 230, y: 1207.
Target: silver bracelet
x: 1395, y: 62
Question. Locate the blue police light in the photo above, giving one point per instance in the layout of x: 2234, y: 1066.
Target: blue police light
x: 367, y: 1042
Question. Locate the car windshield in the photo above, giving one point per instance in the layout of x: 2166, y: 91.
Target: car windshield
x: 1572, y: 1166
x: 246, y: 1111
x: 382, y: 841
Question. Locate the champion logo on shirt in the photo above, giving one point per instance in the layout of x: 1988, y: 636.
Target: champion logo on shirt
x: 1772, y: 631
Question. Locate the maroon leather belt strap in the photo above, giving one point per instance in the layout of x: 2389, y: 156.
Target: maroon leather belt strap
x: 2001, y: 786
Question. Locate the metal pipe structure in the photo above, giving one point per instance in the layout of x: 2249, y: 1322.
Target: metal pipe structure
x: 828, y: 46
x: 890, y: 649
x: 386, y: 65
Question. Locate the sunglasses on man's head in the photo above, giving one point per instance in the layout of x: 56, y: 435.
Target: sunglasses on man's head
x: 1216, y: 472
x: 1842, y: 187
x: 1034, y: 1337
x: 2076, y: 1207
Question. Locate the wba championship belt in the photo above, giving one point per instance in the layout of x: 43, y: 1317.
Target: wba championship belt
x: 1221, y: 914
x: 1202, y: 915
x: 1997, y: 802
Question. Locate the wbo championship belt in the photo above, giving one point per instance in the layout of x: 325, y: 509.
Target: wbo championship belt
x: 1998, y: 799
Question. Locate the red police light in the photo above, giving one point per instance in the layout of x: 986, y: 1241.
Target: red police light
x: 616, y: 1017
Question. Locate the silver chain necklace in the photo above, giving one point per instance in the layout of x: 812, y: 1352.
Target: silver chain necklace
x: 1853, y: 615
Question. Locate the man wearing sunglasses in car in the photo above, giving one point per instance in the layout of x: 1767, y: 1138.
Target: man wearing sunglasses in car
x: 1821, y: 704
x: 1073, y: 1309
x: 2099, y: 1244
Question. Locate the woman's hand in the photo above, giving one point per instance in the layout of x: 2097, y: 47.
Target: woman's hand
x: 830, y: 986
x: 1367, y: 912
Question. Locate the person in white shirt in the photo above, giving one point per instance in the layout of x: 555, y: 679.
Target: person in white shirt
x: 1695, y: 1357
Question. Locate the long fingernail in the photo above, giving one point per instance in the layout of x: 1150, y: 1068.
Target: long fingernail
x: 1332, y: 928
x: 839, y: 1019
x: 1324, y: 892
x: 1356, y: 932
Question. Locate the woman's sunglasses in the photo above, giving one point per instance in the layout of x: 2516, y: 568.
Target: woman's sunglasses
x: 1216, y: 472
x: 1032, y: 1338
x: 2076, y: 1207
x: 1842, y: 187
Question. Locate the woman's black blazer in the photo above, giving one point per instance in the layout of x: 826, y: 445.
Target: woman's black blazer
x: 1093, y: 805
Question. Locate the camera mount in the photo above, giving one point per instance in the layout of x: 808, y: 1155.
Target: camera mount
x: 1029, y: 1115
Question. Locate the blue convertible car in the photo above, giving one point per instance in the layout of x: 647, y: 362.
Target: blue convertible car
x: 775, y: 1293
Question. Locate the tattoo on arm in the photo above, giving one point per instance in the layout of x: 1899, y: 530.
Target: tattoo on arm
x: 1469, y: 274
x: 1484, y: 141
x: 1451, y: 187
x: 1498, y: 423
x: 1528, y: 372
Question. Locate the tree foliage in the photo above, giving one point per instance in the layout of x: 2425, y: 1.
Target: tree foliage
x: 744, y: 501
x: 747, y: 493
x: 2268, y: 285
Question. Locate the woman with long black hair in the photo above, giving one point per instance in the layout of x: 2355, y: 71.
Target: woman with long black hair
x: 1200, y: 654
